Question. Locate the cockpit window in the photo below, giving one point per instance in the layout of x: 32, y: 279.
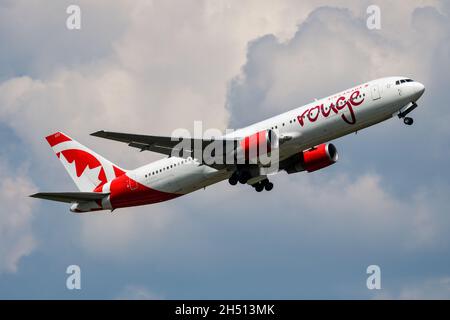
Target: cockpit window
x: 403, y: 81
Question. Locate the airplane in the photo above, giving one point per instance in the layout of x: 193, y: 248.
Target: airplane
x: 300, y: 139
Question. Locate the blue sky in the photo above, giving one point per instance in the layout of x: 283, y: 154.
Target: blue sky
x: 152, y: 67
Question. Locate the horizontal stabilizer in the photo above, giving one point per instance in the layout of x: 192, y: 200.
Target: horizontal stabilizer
x: 70, y: 197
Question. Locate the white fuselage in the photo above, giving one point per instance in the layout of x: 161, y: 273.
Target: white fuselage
x: 310, y: 125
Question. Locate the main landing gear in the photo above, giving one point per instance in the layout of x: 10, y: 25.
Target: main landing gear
x: 241, y: 177
x: 244, y: 177
x: 403, y: 114
x: 264, y: 184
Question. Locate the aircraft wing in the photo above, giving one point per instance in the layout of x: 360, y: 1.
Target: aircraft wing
x: 70, y: 197
x: 185, y: 147
x: 164, y: 145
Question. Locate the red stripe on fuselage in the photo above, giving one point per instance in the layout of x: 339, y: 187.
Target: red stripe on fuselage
x: 126, y: 192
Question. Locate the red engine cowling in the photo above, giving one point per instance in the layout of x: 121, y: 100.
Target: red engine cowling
x: 317, y: 158
x: 258, y: 144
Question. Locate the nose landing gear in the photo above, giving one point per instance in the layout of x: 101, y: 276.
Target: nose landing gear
x: 403, y: 114
x: 408, y: 121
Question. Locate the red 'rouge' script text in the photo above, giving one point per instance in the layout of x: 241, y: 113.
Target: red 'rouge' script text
x: 312, y: 114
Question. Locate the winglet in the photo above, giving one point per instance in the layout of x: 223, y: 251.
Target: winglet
x: 101, y: 134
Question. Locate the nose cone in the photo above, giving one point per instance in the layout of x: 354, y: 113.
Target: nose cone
x: 418, y: 90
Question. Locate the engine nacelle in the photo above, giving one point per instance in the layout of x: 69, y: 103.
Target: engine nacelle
x: 316, y: 158
x: 258, y: 144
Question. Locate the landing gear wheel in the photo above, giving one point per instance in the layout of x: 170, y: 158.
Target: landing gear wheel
x: 268, y: 186
x: 233, y: 180
x: 408, y: 121
x: 259, y: 187
x: 244, y: 177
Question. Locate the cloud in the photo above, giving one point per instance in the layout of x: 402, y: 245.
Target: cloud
x: 127, y: 233
x: 26, y: 26
x: 145, y: 65
x: 332, y: 50
x: 16, y: 216
x: 330, y: 205
x: 432, y: 288
x: 136, y: 292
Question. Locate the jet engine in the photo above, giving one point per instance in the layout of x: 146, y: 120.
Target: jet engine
x: 313, y: 159
x: 257, y: 144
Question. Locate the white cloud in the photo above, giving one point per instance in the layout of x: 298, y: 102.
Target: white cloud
x: 353, y: 209
x: 435, y: 288
x: 431, y: 289
x: 332, y: 50
x: 137, y: 292
x: 16, y: 215
x: 126, y: 232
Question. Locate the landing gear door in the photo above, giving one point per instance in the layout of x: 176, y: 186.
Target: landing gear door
x: 375, y: 92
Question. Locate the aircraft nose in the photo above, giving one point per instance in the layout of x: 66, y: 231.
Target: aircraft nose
x: 419, y: 89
